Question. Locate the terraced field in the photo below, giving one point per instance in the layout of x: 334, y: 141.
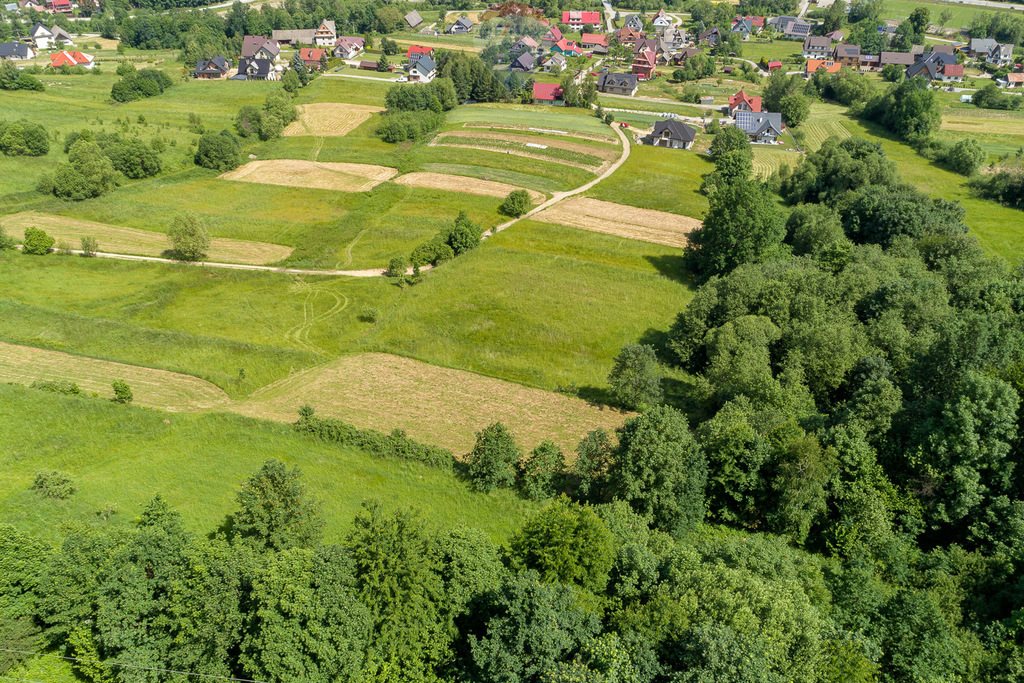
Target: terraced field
x: 820, y: 127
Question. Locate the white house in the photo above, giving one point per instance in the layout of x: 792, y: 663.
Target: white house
x: 40, y: 36
x: 422, y: 70
x: 325, y: 35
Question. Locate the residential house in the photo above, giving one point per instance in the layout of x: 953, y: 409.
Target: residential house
x: 40, y: 36
x: 349, y: 47
x: 936, y: 66
x: 836, y: 36
x: 743, y: 27
x: 548, y: 93
x: 524, y: 44
x: 634, y: 21
x: 779, y: 23
x: 260, y: 48
x: 680, y: 56
x: 817, y: 47
x: 326, y: 34
x: 644, y: 63
x: 60, y: 37
x: 416, y: 51
x: 461, y: 25
x: 662, y: 20
x: 551, y: 38
x: 294, y: 36
x: 944, y: 48
x: 903, y: 59
x: 66, y: 58
x: 711, y: 36
x: 413, y: 19
x: 774, y: 65
x: 208, y: 69
x: 1001, y: 54
x: 670, y: 133
x: 578, y: 20
x: 591, y: 40
x: 524, y: 62
x: 741, y: 101
x: 888, y: 28
x: 60, y: 6
x: 555, y: 62
x: 16, y: 51
x: 311, y: 57
x: 827, y: 65
x: 617, y: 84
x: 255, y: 69
x: 980, y: 48
x: 796, y: 29
x: 673, y: 39
x: 760, y: 127
x: 848, y: 55
x: 870, y: 62
x: 32, y: 5
x: 422, y: 70
x: 569, y: 48
x: 1014, y: 80
x: 628, y: 36
x: 646, y: 44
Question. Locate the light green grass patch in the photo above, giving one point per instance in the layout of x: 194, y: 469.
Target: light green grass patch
x: 657, y: 178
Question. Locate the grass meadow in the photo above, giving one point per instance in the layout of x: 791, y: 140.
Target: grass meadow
x: 121, y: 456
x: 657, y: 178
x: 960, y: 15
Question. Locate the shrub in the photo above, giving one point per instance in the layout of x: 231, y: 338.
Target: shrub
x: 636, y: 377
x: 89, y: 246
x: 12, y: 78
x: 57, y: 386
x: 408, y: 125
x: 396, y: 267
x: 247, y: 121
x: 88, y: 172
x: 53, y: 484
x: 516, y: 203
x: 36, y: 242
x: 6, y: 241
x: 965, y: 156
x: 122, y: 392
x: 493, y: 460
x: 219, y: 151
x: 538, y: 474
x: 23, y: 138
x: 133, y: 158
x: 189, y: 239
x: 137, y: 85
x: 394, y: 445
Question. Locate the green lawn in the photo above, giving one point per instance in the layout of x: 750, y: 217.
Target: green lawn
x: 662, y: 179
x: 789, y: 52
x: 961, y: 14
x: 120, y: 457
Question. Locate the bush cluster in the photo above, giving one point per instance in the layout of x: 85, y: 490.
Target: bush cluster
x: 57, y: 386
x: 137, y: 85
x: 13, y: 78
x: 269, y: 121
x: 437, y: 96
x: 130, y: 156
x: 394, y: 445
x: 408, y: 125
x: 23, y: 138
x: 88, y: 173
x: 53, y: 484
x: 454, y: 240
x: 219, y: 151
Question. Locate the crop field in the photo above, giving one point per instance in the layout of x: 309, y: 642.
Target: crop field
x: 116, y: 239
x: 660, y: 179
x: 152, y: 388
x: 438, y: 405
x: 586, y: 162
x: 329, y: 118
x: 456, y: 183
x: 768, y: 160
x: 196, y: 463
x: 312, y: 174
x: 658, y: 227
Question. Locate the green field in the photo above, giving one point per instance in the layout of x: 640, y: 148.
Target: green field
x: 662, y: 179
x: 789, y: 52
x: 961, y: 14
x: 120, y: 457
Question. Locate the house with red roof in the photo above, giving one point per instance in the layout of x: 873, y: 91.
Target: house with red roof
x: 591, y: 40
x: 66, y: 58
x: 577, y: 19
x: 569, y: 48
x: 547, y: 93
x: 827, y: 65
x: 549, y: 39
x: 311, y: 57
x: 59, y: 6
x: 643, y: 64
x: 1014, y: 80
x: 416, y: 51
x: 774, y: 65
x: 741, y: 101
x: 628, y: 36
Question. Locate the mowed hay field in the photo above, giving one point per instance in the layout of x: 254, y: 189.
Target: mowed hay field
x: 329, y: 119
x: 319, y: 175
x: 768, y: 160
x: 556, y: 121
x: 119, y: 240
x: 152, y: 388
x: 456, y: 183
x: 658, y: 227
x: 434, y: 404
x: 819, y: 128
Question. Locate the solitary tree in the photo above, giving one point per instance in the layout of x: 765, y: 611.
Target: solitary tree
x: 36, y: 242
x: 275, y: 511
x: 122, y: 392
x: 636, y: 377
x: 516, y: 203
x: 493, y: 460
x: 189, y: 239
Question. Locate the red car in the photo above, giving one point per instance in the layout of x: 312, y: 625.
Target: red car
x: 623, y: 124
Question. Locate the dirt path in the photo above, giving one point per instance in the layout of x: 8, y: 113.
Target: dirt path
x: 379, y: 272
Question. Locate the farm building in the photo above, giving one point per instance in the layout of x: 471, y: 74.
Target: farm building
x: 618, y: 84
x: 217, y: 67
x: 670, y: 133
x: 293, y: 36
x: 760, y: 127
x: 547, y: 93
x: 413, y: 19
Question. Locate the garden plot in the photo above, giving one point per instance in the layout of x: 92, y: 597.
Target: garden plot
x: 119, y: 240
x: 151, y: 387
x: 329, y: 119
x: 318, y: 175
x: 659, y: 227
x: 457, y: 183
x: 437, y: 405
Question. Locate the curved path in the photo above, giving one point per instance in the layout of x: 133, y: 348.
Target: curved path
x: 379, y: 272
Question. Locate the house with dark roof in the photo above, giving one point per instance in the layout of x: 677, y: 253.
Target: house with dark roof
x: 634, y: 21
x: 617, y: 84
x: 422, y: 70
x: 711, y: 36
x: 760, y: 127
x: 40, y: 36
x: 553, y: 36
x: 413, y: 19
x: 524, y: 62
x: 260, y: 48
x: 578, y: 20
x: 217, y: 67
x: 817, y: 47
x: 16, y: 51
x: 461, y: 25
x: 848, y: 55
x: 936, y: 66
x: 60, y: 36
x: 670, y: 133
x: 255, y: 69
x: 742, y: 27
x: 1000, y: 55
x: 548, y: 93
x: 798, y: 29
x: 293, y: 36
x: 741, y: 101
x: 979, y: 48
x: 684, y: 54
x: 524, y: 44
x: 897, y: 58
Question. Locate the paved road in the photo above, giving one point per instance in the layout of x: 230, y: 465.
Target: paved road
x: 609, y: 15
x: 377, y: 272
